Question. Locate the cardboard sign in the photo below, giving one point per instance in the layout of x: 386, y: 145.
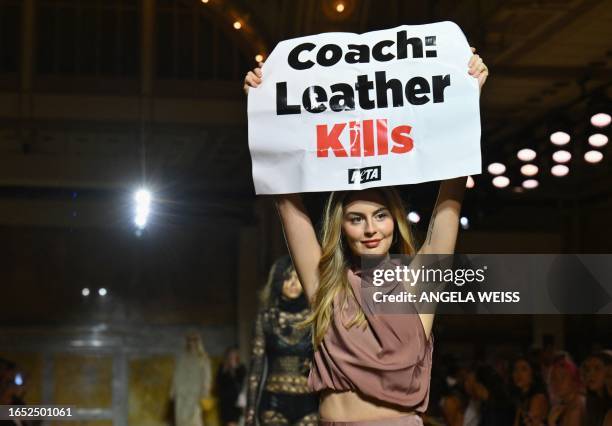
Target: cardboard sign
x: 343, y: 111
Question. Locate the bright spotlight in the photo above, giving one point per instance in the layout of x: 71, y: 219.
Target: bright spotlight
x: 85, y: 292
x: 496, y: 168
x: 501, y: 181
x: 414, y: 217
x: 102, y: 291
x: 601, y: 119
x: 530, y: 184
x: 340, y: 7
x: 529, y: 169
x: 465, y: 223
x: 593, y: 156
x: 560, y: 138
x: 559, y: 170
x: 142, y: 197
x: 561, y: 156
x: 598, y: 140
x: 526, y: 154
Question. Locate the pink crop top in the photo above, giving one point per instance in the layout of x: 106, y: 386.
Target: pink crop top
x: 389, y: 360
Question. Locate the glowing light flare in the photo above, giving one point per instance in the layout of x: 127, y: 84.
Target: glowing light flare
x: 414, y: 217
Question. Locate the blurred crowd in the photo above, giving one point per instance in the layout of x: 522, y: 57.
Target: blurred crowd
x: 542, y: 387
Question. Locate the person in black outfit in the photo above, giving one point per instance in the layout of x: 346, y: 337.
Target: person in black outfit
x: 528, y: 392
x: 278, y: 392
x: 598, y: 400
x: 230, y: 379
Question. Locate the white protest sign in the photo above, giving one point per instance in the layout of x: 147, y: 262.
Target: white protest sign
x: 339, y: 111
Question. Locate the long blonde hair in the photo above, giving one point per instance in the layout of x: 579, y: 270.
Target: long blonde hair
x: 334, y: 261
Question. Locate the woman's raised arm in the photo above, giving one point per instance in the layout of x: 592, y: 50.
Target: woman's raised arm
x: 444, y: 223
x: 299, y: 232
x: 301, y: 240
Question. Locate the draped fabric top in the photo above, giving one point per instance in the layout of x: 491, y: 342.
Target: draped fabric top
x: 389, y: 360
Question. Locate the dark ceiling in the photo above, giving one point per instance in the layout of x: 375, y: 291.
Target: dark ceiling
x: 160, y: 100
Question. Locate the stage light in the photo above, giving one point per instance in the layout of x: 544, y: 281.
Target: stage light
x: 561, y: 156
x: 204, y: 1
x: 501, y: 181
x: 593, y: 156
x: 465, y: 223
x: 470, y: 182
x: 102, y: 292
x: 18, y: 380
x: 559, y: 170
x: 340, y: 7
x: 85, y: 292
x: 530, y: 184
x: 529, y: 170
x: 526, y: 154
x: 237, y: 25
x: 142, y: 197
x: 601, y: 119
x: 496, y: 168
x: 598, y: 140
x: 560, y: 138
x: 414, y: 217
x: 258, y: 58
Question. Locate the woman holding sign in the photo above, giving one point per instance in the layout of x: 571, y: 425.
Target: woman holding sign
x: 370, y: 370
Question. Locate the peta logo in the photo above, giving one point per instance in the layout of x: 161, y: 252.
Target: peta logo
x: 365, y: 174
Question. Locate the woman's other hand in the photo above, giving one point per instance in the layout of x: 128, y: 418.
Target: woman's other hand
x: 478, y: 69
x: 253, y: 78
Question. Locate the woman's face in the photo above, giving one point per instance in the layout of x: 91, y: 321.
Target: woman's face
x: 594, y: 373
x: 522, y: 374
x: 292, y: 289
x: 561, y: 381
x: 367, y: 224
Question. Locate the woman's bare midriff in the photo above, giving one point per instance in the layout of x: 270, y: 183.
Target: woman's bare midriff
x: 351, y: 406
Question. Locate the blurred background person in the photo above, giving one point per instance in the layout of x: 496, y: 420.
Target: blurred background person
x: 191, y: 382
x: 598, y: 398
x: 230, y: 380
x: 529, y: 393
x: 565, y: 383
x: 278, y: 390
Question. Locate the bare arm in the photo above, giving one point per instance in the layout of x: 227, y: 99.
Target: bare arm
x: 299, y: 233
x: 444, y: 223
x: 301, y: 240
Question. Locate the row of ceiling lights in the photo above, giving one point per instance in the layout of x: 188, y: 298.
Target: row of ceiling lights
x: 238, y: 24
x: 560, y: 157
